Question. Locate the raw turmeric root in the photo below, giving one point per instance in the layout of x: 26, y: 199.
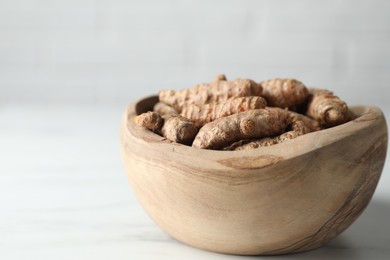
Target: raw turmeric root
x: 233, y: 114
x: 173, y: 127
x: 284, y: 93
x: 302, y: 123
x: 298, y: 125
x: 217, y: 91
x: 328, y: 109
x: 249, y: 124
x: 220, y: 77
x: 150, y: 120
x: 164, y: 109
x: 203, y: 114
x: 179, y: 129
x: 247, y: 144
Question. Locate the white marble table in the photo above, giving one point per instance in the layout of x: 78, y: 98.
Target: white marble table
x: 64, y: 195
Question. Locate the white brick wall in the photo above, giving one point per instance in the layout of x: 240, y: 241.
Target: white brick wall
x: 118, y: 50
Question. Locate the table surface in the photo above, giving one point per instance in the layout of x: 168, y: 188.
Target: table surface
x: 64, y: 194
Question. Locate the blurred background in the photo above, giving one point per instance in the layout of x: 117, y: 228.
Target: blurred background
x: 69, y: 68
x: 105, y: 51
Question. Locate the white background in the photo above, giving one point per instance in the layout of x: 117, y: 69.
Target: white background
x: 118, y: 50
x: 69, y: 68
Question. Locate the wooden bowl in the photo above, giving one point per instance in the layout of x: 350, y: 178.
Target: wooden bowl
x: 285, y: 198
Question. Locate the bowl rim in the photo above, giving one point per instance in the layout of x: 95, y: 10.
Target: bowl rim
x: 366, y: 116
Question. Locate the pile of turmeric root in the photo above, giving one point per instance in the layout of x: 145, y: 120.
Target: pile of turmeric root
x: 242, y: 114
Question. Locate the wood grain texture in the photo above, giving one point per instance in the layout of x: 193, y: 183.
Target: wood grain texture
x: 285, y: 198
